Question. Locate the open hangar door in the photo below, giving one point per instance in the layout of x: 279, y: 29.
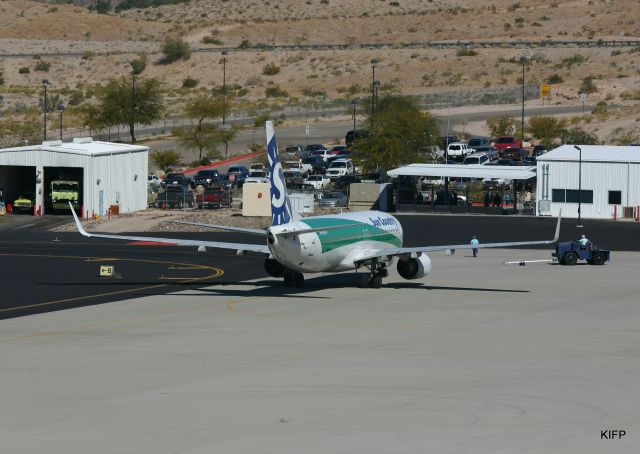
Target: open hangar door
x: 61, y: 185
x: 18, y: 182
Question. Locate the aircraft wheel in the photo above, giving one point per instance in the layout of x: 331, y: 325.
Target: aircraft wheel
x: 288, y: 279
x: 298, y: 280
x: 375, y: 281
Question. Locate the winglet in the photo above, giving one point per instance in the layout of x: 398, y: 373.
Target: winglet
x: 78, y: 224
x: 557, y: 236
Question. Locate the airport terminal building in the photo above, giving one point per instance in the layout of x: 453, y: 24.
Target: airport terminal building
x: 609, y: 178
x: 99, y: 175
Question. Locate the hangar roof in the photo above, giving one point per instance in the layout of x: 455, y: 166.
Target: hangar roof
x: 465, y: 171
x: 595, y: 153
x: 83, y: 146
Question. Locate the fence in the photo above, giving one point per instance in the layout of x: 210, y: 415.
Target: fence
x: 312, y: 109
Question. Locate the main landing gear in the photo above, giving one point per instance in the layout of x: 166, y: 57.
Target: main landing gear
x: 374, y: 278
x: 293, y: 279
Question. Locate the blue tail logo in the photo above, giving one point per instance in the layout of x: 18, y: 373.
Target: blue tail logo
x: 281, y: 212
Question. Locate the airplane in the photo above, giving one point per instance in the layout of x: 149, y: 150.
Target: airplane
x: 329, y: 243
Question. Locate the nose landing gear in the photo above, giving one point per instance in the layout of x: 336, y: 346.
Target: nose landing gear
x: 374, y: 278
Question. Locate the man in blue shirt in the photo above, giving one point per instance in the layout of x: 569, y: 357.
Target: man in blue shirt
x: 474, y: 243
x: 584, y: 241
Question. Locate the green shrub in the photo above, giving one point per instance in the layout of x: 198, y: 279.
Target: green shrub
x: 175, y: 49
x: 270, y: 69
x: 42, y: 65
x: 466, y: 52
x: 211, y: 40
x: 275, y: 92
x: 189, y: 83
x: 24, y: 70
x: 555, y: 79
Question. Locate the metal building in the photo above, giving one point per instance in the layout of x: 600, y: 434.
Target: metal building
x: 103, y: 174
x: 609, y: 178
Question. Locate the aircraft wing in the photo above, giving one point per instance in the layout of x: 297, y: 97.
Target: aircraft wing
x: 264, y: 249
x: 262, y: 232
x: 408, y: 251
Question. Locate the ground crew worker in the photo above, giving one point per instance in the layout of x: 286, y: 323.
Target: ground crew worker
x: 584, y: 241
x: 474, y: 243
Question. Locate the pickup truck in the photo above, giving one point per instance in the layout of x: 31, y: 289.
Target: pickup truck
x: 297, y: 168
x: 175, y: 196
x: 505, y: 142
x: 214, y: 198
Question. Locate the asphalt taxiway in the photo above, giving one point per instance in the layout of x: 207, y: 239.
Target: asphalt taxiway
x: 477, y: 358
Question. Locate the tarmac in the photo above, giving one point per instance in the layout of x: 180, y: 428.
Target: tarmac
x: 478, y: 357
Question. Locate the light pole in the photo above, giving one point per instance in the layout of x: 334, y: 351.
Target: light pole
x: 134, y: 69
x: 224, y: 88
x: 1, y: 99
x: 376, y: 84
x: 354, y: 103
x: 45, y: 84
x: 523, y: 60
x: 579, y: 185
x: 61, y: 110
x: 373, y: 81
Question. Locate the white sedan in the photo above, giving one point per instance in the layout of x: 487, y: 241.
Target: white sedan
x: 318, y: 181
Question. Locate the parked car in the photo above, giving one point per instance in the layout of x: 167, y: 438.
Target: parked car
x: 340, y: 168
x: 257, y: 176
x: 214, y: 197
x: 238, y: 174
x: 312, y: 148
x: 175, y: 179
x: 489, y: 150
x: 317, y: 163
x: 298, y: 168
x: 257, y: 166
x: 476, y: 158
x: 504, y: 142
x: 24, y: 202
x: 333, y: 199
x: 352, y: 136
x: 338, y: 149
x: 205, y: 178
x: 515, y: 153
x: 153, y: 180
x: 224, y: 182
x: 476, y: 142
x: 318, y: 181
x: 529, y: 161
x: 324, y: 154
x: 539, y: 149
x: 458, y: 150
x: 294, y: 150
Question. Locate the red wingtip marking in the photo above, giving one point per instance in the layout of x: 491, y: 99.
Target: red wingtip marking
x: 151, y: 243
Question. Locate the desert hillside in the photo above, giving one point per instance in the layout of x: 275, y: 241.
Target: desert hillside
x: 83, y: 49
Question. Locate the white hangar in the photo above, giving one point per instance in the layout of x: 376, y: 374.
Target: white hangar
x: 609, y: 178
x: 94, y: 175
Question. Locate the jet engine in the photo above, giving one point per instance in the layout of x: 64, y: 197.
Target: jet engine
x: 414, y: 268
x: 274, y: 268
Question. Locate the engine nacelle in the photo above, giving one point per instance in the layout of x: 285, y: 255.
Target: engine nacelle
x: 414, y: 268
x: 274, y: 268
